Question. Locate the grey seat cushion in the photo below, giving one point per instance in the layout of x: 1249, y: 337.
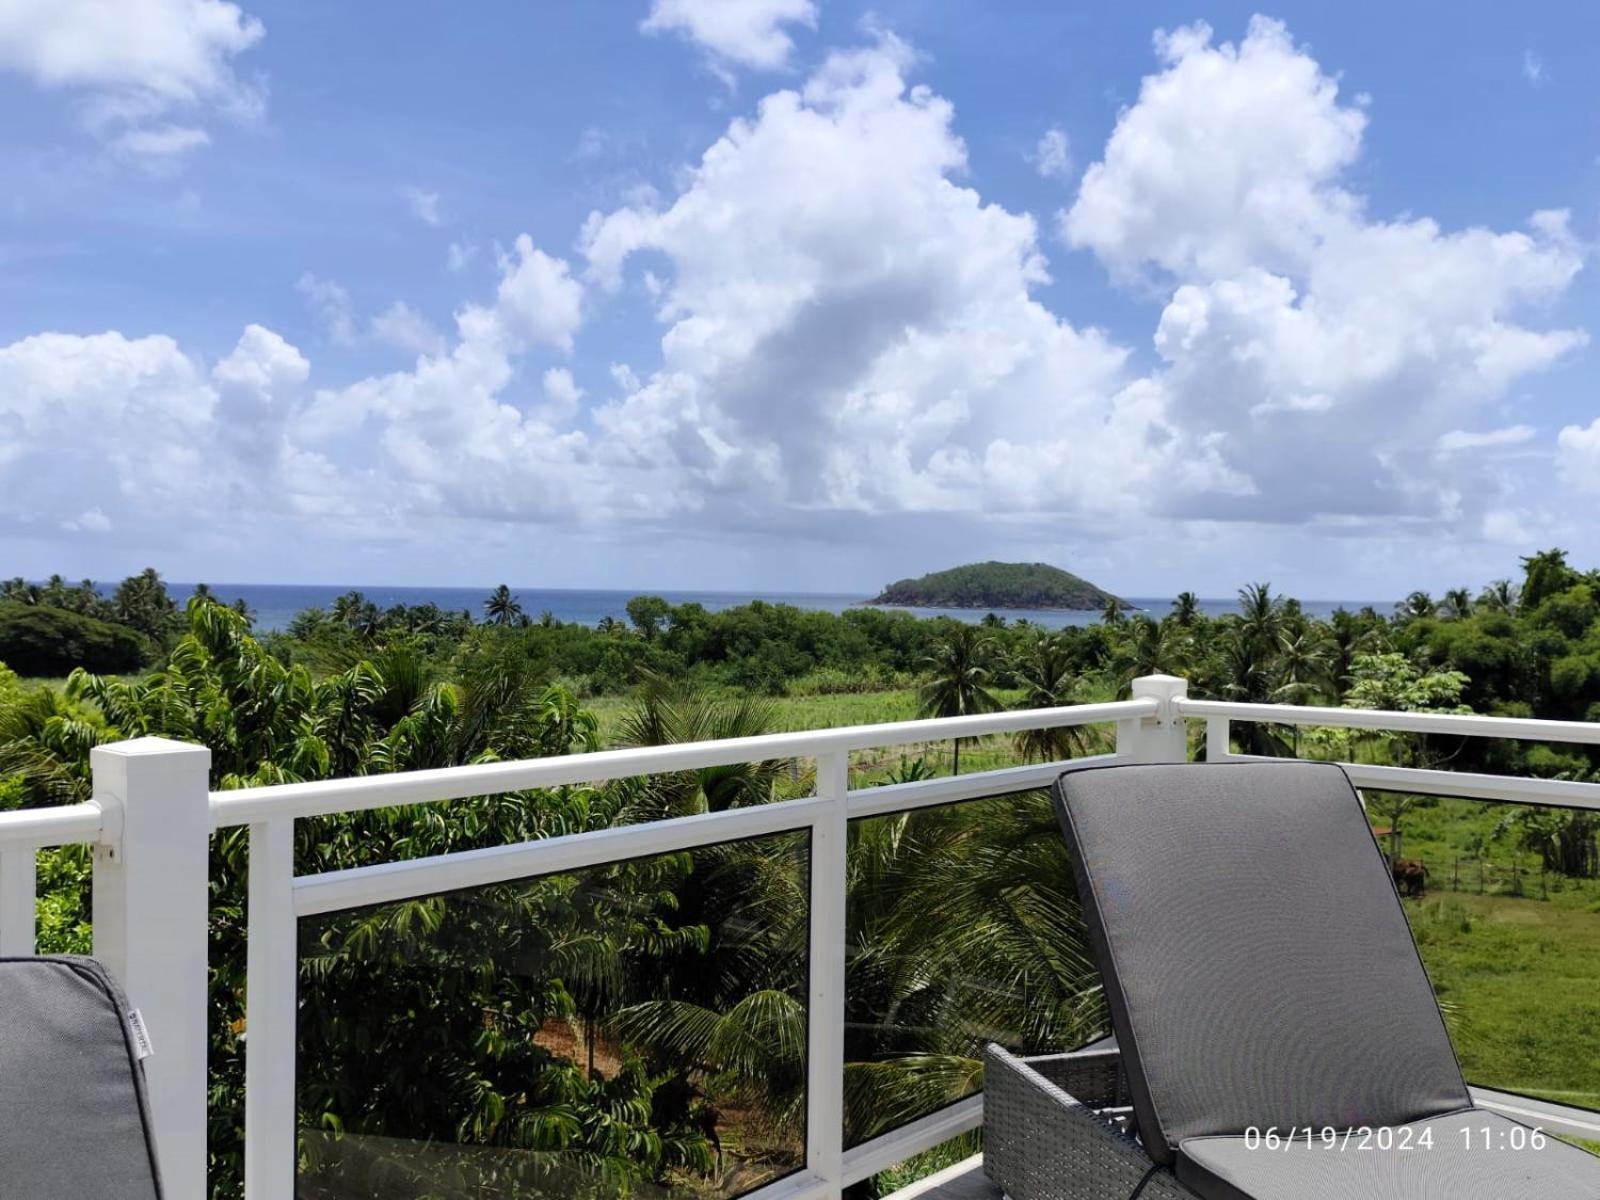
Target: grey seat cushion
x: 1257, y: 963
x: 73, y: 1119
x: 1472, y: 1155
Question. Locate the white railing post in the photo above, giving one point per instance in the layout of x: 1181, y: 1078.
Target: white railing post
x: 1219, y: 739
x: 19, y: 884
x: 825, y: 1013
x: 272, y: 963
x: 1161, y: 738
x: 151, y: 909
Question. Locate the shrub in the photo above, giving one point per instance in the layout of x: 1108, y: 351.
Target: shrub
x: 36, y: 640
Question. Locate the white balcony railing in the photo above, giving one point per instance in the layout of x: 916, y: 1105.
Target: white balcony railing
x: 152, y: 817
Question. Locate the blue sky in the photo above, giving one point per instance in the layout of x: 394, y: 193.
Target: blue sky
x: 797, y: 294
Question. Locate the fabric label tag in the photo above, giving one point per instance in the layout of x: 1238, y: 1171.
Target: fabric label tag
x: 141, y: 1035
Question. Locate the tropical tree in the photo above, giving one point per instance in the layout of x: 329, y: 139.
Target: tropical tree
x: 502, y: 608
x: 1152, y: 648
x: 475, y: 1072
x: 347, y: 608
x: 19, y: 591
x: 1501, y: 595
x: 1245, y: 661
x: 1394, y: 682
x: 1044, y: 669
x: 1260, y: 615
x: 1456, y: 604
x: 667, y: 712
x: 961, y: 677
x: 1303, y: 671
x: 1545, y: 574
x: 1185, y: 609
x: 1416, y: 606
x: 1303, y: 666
x: 141, y: 602
x: 648, y: 613
x: 1347, y: 636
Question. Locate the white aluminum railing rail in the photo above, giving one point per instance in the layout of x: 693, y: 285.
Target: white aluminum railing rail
x: 152, y: 816
x: 278, y: 899
x: 1219, y: 716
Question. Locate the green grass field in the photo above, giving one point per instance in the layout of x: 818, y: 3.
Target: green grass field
x: 1514, y: 954
x: 1520, y: 982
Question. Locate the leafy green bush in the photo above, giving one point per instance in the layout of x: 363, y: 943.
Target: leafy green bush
x: 36, y: 640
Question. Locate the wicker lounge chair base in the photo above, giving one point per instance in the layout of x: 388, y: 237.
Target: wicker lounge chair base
x: 1055, y: 1128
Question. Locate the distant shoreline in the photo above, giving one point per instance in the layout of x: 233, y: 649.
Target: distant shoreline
x: 274, y: 605
x: 1000, y: 608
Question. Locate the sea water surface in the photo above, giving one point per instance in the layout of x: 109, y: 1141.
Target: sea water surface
x: 274, y: 605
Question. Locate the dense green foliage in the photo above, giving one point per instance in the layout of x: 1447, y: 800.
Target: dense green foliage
x: 52, y: 641
x: 53, y: 627
x: 998, y: 585
x: 644, y: 1022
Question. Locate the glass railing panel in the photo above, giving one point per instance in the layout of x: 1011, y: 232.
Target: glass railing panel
x: 638, y: 1029
x: 1504, y: 900
x: 964, y: 929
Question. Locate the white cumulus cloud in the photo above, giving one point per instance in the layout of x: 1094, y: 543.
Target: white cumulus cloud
x: 1321, y: 353
x: 134, y: 62
x: 749, y: 33
x: 330, y: 303
x: 538, y: 300
x: 1052, y: 157
x: 404, y: 328
x: 1578, y: 456
x: 852, y: 340
x: 849, y: 329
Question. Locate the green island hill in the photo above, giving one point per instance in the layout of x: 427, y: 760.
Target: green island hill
x: 999, y: 585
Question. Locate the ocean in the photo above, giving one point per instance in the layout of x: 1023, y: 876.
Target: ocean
x: 275, y: 604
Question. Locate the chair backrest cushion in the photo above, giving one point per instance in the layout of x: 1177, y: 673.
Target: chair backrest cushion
x: 1257, y: 962
x: 73, y: 1115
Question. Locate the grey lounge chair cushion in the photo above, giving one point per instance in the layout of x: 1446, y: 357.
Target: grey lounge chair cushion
x: 1457, y: 1166
x: 1257, y: 962
x: 74, y: 1124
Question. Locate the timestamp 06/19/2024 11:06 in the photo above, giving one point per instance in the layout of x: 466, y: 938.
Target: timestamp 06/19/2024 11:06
x: 1386, y: 1137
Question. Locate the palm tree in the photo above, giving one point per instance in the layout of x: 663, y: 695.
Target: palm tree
x: 1457, y: 603
x: 1112, y: 613
x: 667, y: 712
x: 1303, y: 671
x: 1417, y: 605
x: 20, y: 591
x: 1153, y: 648
x: 347, y: 608
x: 502, y: 608
x: 1499, y: 596
x: 1044, y: 669
x: 1185, y: 609
x: 141, y: 601
x: 1247, y: 662
x: 368, y: 621
x: 961, y: 679
x: 1261, y: 614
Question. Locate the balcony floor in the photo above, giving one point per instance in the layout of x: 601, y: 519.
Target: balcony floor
x: 963, y: 1181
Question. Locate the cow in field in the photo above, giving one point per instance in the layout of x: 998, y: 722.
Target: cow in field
x: 1410, y: 876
